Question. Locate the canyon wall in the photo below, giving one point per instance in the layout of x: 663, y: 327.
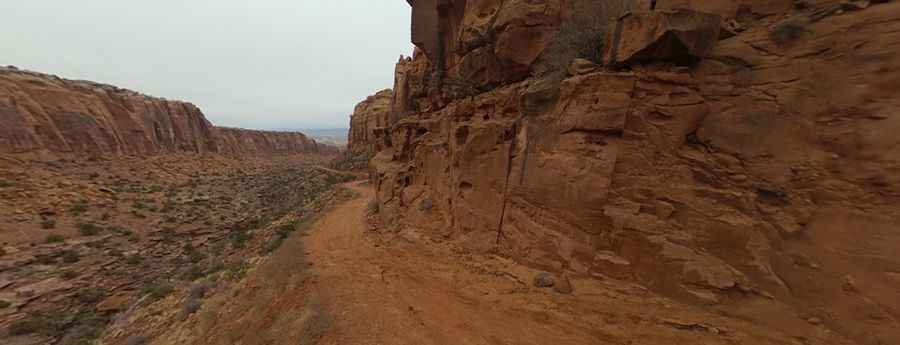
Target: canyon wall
x: 737, y: 155
x: 369, y: 116
x: 46, y: 113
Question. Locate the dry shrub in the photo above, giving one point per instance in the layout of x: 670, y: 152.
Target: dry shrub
x: 581, y: 35
x: 787, y: 32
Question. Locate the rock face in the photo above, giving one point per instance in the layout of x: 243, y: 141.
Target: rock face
x: 752, y: 178
x: 370, y: 116
x: 40, y: 112
x: 674, y: 35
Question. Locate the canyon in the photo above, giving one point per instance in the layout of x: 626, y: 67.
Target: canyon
x: 113, y: 200
x: 541, y: 171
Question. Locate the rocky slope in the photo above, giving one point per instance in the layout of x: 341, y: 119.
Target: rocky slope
x: 733, y: 155
x: 40, y: 112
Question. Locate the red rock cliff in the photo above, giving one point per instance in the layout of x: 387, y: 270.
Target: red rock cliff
x: 369, y: 116
x: 40, y: 112
x: 739, y: 155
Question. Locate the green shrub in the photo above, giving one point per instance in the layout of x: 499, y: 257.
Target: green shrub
x: 157, y: 291
x: 134, y: 259
x: 54, y: 239
x: 237, y: 270
x: 79, y: 207
x: 88, y: 229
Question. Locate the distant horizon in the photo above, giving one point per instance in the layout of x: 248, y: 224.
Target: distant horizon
x: 269, y: 64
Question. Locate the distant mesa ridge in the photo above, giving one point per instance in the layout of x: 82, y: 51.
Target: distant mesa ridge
x: 40, y: 112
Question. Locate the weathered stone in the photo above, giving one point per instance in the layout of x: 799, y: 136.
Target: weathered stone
x: 680, y: 36
x: 582, y: 66
x: 544, y: 280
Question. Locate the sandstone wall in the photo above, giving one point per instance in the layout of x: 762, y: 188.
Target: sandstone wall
x: 40, y: 112
x: 759, y: 179
x: 369, y: 116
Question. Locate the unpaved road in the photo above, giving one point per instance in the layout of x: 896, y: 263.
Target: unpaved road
x: 395, y: 294
x: 380, y: 287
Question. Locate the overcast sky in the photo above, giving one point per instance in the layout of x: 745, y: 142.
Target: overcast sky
x: 247, y: 63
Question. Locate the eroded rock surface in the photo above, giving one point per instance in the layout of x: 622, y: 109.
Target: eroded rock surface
x: 40, y: 112
x: 753, y: 179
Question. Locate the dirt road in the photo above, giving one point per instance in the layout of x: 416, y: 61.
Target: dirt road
x: 404, y: 288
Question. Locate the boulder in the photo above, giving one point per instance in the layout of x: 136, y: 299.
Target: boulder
x: 544, y: 280
x: 680, y: 36
x: 582, y: 66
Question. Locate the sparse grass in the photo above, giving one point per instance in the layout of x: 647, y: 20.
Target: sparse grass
x: 89, y: 229
x: 787, y: 32
x: 5, y: 184
x: 54, y: 239
x: 157, y: 291
x: 281, y: 234
x: 47, y: 224
x: 194, y: 299
x: 237, y: 270
x: 5, y: 304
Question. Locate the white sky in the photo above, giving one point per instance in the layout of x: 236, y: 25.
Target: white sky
x: 247, y: 63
